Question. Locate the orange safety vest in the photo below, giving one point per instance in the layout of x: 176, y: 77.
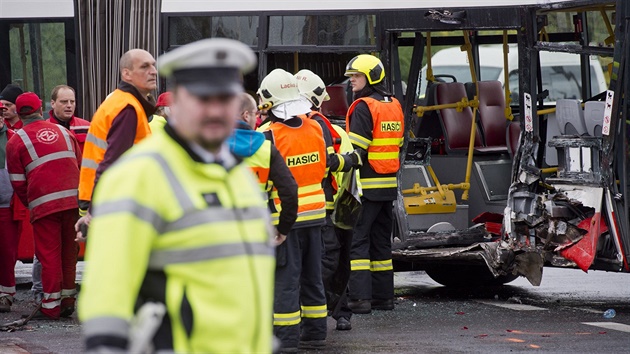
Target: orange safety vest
x: 259, y: 163
x: 387, y: 134
x: 304, y: 151
x: 96, y: 141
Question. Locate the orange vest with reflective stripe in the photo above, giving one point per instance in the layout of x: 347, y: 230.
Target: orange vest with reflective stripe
x: 387, y: 133
x: 260, y: 162
x: 96, y: 141
x: 304, y: 151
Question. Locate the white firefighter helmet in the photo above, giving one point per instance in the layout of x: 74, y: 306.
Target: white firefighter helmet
x: 279, y: 92
x: 312, y: 87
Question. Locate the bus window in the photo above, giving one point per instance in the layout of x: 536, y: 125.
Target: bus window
x: 38, y: 57
x: 342, y: 30
x: 187, y: 29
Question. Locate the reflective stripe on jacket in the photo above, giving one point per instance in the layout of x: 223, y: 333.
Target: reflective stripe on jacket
x: 191, y: 235
x: 43, y: 162
x: 96, y: 141
x: 259, y: 163
x: 387, y: 134
x: 304, y: 151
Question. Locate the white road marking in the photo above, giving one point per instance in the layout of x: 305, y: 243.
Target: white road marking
x: 610, y: 325
x: 517, y: 307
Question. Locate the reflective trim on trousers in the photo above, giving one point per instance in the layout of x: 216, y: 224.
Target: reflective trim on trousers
x: 50, y: 157
x: 159, y: 259
x: 106, y: 326
x: 52, y: 296
x: 53, y: 196
x: 15, y: 177
x: 359, y: 264
x: 50, y: 304
x: 314, y: 311
x: 379, y: 266
x: 7, y: 289
x: 100, y: 143
x: 378, y: 182
x: 286, y: 319
x: 66, y: 293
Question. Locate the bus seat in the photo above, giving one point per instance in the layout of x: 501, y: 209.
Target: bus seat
x: 428, y: 126
x: 337, y: 106
x: 492, y: 113
x: 570, y: 117
x: 456, y: 125
x: 594, y: 117
x: 513, y: 137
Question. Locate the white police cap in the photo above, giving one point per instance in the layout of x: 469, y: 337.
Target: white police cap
x: 209, y: 67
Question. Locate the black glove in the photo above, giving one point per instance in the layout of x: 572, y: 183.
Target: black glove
x: 355, y: 159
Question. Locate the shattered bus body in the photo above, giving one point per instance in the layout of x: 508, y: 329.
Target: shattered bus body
x: 544, y: 177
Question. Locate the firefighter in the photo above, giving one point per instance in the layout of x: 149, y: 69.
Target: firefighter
x: 40, y: 154
x: 180, y: 225
x: 375, y: 126
x: 119, y: 123
x: 334, y: 273
x: 267, y: 164
x: 300, y: 303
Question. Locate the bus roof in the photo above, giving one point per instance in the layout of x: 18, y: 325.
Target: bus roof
x: 325, y: 5
x: 36, y: 8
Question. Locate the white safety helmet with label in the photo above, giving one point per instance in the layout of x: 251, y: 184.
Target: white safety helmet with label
x: 279, y: 92
x: 312, y: 87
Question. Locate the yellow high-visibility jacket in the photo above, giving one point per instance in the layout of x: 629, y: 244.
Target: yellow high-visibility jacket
x: 191, y: 235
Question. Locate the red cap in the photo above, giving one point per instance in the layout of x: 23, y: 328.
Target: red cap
x: 2, y: 107
x: 27, y: 103
x: 164, y: 100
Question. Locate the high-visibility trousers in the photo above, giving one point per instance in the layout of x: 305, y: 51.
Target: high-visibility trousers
x: 372, y: 273
x: 57, y: 251
x: 9, y: 240
x: 299, y: 300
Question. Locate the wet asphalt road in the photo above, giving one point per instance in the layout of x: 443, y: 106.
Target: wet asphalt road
x: 430, y: 318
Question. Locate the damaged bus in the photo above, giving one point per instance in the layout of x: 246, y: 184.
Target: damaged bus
x: 503, y: 176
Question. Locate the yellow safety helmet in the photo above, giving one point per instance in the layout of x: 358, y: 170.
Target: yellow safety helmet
x: 312, y: 87
x: 369, y: 65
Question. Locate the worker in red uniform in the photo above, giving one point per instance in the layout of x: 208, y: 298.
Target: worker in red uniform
x: 375, y: 126
x: 43, y: 160
x: 299, y: 302
x: 63, y: 103
x: 9, y: 230
x: 7, y: 98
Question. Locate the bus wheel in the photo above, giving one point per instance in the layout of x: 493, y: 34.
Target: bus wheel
x: 460, y: 275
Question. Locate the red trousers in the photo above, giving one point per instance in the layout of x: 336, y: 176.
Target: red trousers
x: 9, y: 239
x: 57, y: 251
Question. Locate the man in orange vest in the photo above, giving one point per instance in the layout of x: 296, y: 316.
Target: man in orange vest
x: 119, y: 123
x: 43, y: 152
x: 375, y: 126
x: 336, y: 241
x: 299, y: 303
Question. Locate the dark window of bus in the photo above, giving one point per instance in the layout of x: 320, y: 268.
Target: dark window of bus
x: 183, y: 30
x: 350, y: 30
x: 38, y: 57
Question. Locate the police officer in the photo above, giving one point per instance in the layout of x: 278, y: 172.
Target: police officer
x: 180, y: 221
x: 375, y: 126
x: 300, y: 303
x: 335, y: 261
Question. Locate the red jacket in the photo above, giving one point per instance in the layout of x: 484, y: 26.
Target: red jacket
x: 79, y: 127
x: 43, y: 160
